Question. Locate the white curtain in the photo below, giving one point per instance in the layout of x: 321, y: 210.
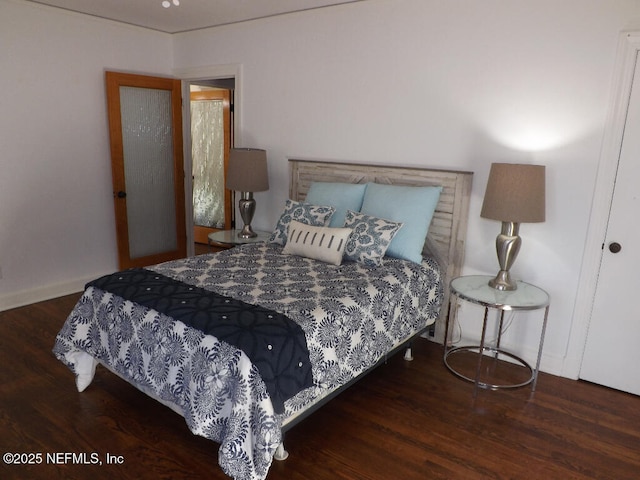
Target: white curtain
x: 207, y: 132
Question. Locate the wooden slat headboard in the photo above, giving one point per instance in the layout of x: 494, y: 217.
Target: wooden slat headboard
x: 447, y: 233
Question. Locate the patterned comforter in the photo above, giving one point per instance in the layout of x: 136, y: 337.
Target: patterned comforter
x: 352, y: 315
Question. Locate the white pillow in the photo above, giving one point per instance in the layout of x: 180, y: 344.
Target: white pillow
x: 320, y: 243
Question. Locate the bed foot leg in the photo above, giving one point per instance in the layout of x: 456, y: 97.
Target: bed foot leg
x: 281, y: 453
x: 408, y: 355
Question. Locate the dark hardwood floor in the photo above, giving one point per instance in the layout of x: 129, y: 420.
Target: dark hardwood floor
x: 201, y: 248
x: 407, y: 420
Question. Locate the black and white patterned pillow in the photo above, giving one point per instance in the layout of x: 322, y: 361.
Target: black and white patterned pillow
x: 315, y: 215
x: 370, y: 237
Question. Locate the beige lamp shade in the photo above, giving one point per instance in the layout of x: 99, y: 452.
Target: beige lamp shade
x: 515, y: 193
x: 247, y: 170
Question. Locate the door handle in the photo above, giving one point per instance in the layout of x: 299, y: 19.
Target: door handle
x: 615, y: 247
x: 121, y: 194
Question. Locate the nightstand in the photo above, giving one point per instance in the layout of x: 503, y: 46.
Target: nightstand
x: 230, y: 238
x: 485, y: 371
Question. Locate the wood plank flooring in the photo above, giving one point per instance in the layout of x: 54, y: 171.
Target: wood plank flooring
x: 407, y: 420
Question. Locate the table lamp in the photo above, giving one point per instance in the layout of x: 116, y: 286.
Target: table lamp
x: 247, y: 173
x: 515, y: 194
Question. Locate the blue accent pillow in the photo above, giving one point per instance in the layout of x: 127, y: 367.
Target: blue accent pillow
x: 342, y: 196
x: 370, y: 238
x: 412, y: 206
x: 316, y: 215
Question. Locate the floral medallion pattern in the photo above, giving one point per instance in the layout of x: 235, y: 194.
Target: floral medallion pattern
x: 352, y: 315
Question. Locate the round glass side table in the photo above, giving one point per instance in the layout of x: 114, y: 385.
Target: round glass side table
x: 476, y: 290
x: 230, y: 238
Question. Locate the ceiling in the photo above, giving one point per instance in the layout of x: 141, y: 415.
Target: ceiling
x: 188, y: 14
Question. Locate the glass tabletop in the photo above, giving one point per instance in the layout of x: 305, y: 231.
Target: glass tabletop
x: 230, y: 237
x: 476, y: 289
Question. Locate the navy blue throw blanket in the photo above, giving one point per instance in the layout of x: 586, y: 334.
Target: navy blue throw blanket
x: 275, y: 344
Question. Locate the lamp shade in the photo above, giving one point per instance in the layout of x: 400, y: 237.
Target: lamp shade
x: 247, y: 170
x: 515, y: 193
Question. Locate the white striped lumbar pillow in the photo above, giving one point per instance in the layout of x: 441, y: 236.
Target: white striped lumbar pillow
x: 320, y: 243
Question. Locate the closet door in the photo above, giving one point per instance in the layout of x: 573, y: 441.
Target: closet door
x: 612, y: 354
x: 147, y: 166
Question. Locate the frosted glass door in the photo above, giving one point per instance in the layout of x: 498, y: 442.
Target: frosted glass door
x: 145, y: 129
x: 147, y: 140
x: 207, y: 136
x: 210, y: 145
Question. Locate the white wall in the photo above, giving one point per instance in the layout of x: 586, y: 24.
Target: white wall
x: 57, y: 225
x: 456, y: 84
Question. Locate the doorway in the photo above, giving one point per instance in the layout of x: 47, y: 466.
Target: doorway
x: 611, y: 354
x: 224, y: 77
x: 209, y: 124
x: 602, y: 343
x: 211, y: 135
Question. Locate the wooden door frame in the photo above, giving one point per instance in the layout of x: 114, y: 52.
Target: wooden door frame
x: 115, y: 80
x: 628, y: 49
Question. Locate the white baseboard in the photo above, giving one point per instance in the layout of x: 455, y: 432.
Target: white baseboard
x: 47, y: 292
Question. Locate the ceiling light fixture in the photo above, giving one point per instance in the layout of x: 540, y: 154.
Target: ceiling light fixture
x: 167, y: 3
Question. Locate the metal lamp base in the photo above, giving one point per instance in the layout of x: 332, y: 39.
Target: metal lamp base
x: 247, y: 207
x: 507, y: 247
x: 503, y: 281
x: 247, y: 232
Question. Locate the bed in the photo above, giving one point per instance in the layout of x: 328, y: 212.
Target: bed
x: 246, y: 342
